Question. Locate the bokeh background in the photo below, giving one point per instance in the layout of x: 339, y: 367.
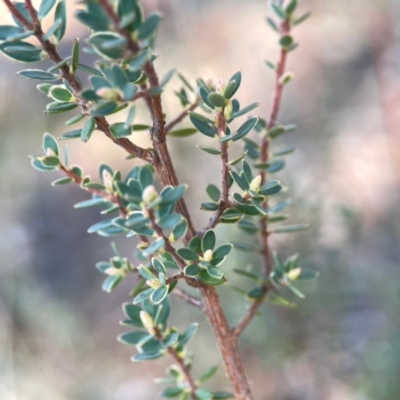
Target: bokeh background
x: 58, y: 328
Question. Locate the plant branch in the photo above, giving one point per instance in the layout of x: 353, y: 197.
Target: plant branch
x: 193, y: 300
x: 181, y: 364
x: 54, y: 56
x: 161, y: 159
x: 181, y: 116
x: 106, y: 195
x: 264, y: 156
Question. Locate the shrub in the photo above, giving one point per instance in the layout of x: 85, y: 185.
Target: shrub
x: 170, y: 248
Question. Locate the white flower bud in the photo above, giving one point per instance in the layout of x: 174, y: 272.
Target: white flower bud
x: 208, y: 255
x: 149, y: 194
x: 294, y: 274
x: 255, y: 184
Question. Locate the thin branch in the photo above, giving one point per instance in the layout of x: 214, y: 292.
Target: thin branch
x: 171, y: 249
x: 181, y: 116
x: 54, y: 56
x: 181, y: 364
x: 193, y: 300
x: 264, y: 156
x: 106, y: 195
x: 161, y: 159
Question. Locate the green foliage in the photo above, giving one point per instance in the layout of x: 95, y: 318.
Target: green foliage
x: 122, y: 38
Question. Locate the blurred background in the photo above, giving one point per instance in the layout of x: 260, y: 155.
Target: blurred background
x: 58, y: 328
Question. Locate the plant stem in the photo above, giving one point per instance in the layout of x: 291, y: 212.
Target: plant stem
x: 181, y: 364
x: 264, y: 156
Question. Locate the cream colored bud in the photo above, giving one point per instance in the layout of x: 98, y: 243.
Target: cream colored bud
x: 220, y: 89
x: 208, y: 255
x: 149, y: 194
x: 107, y: 93
x: 146, y: 319
x: 171, y: 237
x: 50, y: 152
x: 107, y: 179
x: 153, y: 283
x: 114, y: 271
x: 294, y: 274
x: 228, y: 110
x: 255, y: 184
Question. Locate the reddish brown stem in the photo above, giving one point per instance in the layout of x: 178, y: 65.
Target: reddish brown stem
x: 181, y: 116
x: 106, y: 195
x: 181, y: 364
x: 264, y: 156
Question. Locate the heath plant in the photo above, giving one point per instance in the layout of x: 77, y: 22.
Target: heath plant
x: 147, y: 204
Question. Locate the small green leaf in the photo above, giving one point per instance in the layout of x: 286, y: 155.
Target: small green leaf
x: 61, y: 14
x: 171, y: 392
x: 209, y: 206
x: 245, y: 128
x: 62, y: 181
x: 192, y: 270
x: 202, y: 126
x: 38, y: 74
x: 155, y: 246
x: 88, y: 129
x: 207, y: 374
x: 143, y: 295
x: 61, y: 94
x: 188, y: 334
x: 120, y: 129
x: 213, y: 192
x: 188, y: 254
x: 255, y: 293
x: 103, y: 108
x: 57, y: 24
x: 290, y: 7
x: 216, y: 99
x: 290, y: 228
x: 145, y: 272
x: 272, y: 24
x: 302, y: 18
x: 169, y: 221
x: 210, y: 150
x: 147, y: 356
x: 285, y: 40
x: 222, y: 251
x: 277, y: 10
x: 45, y: 7
x: 159, y: 294
x: 149, y: 26
x: 248, y: 247
x: 132, y: 312
x: 244, y: 110
x: 50, y: 161
x: 56, y: 107
x: 111, y: 282
x: 222, y: 395
x: 167, y: 77
x: 132, y: 337
x: 71, y: 134
x: 230, y: 89
x: 237, y: 77
x: 182, y: 132
x: 21, y: 51
x: 208, y: 241
x: 210, y: 280
x: 50, y: 143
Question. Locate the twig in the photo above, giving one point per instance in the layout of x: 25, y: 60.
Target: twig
x: 54, y: 56
x: 264, y: 156
x: 181, y: 364
x: 193, y: 300
x: 181, y: 116
x: 171, y: 249
x: 108, y: 196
